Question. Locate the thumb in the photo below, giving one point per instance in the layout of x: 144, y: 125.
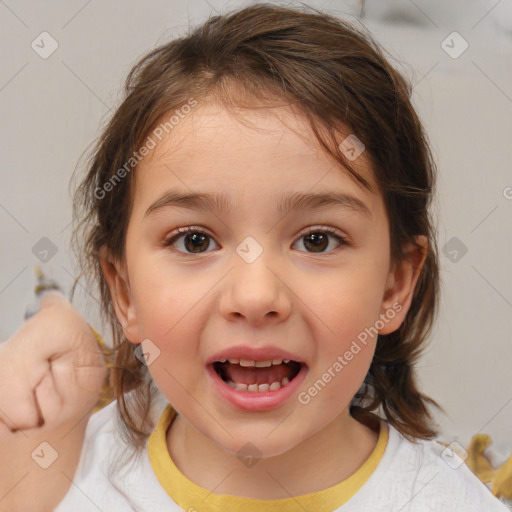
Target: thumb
x: 69, y: 392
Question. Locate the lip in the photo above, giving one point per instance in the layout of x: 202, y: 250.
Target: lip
x: 256, y: 401
x: 253, y: 354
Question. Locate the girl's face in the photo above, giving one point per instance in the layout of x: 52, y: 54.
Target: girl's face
x: 290, y: 261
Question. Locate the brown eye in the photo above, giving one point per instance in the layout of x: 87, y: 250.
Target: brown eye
x: 317, y: 240
x: 189, y: 241
x: 196, y: 242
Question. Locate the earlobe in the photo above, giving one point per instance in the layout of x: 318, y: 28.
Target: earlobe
x: 401, y: 283
x: 118, y: 284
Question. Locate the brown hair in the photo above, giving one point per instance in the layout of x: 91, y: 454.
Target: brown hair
x: 337, y: 75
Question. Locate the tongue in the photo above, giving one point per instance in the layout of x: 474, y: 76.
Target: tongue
x: 252, y: 375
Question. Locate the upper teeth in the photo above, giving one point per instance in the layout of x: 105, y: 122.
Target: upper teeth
x: 257, y: 364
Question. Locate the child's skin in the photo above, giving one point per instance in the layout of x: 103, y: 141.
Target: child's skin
x: 51, y: 373
x: 311, y: 304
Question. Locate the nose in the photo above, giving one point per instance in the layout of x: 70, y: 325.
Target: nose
x: 256, y: 291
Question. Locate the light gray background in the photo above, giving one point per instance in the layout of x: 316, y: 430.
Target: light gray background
x: 52, y: 109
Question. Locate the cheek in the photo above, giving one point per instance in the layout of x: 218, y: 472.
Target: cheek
x: 165, y: 299
x: 173, y: 324
x: 346, y: 333
x: 169, y: 315
x: 344, y: 354
x: 347, y: 305
x: 177, y: 370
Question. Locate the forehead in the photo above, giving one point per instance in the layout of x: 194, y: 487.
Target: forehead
x: 266, y: 149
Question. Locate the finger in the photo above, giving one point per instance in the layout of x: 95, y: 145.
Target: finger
x: 19, y: 414
x: 69, y: 392
x: 90, y: 379
x: 17, y: 408
x: 88, y: 356
x: 5, y: 430
x: 7, y: 422
x: 78, y: 385
x: 48, y: 399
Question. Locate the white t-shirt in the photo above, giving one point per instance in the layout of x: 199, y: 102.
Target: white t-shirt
x: 405, y: 477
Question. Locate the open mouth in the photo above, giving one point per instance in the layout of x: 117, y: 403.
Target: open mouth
x: 257, y: 376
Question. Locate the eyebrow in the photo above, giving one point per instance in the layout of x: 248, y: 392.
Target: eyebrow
x: 222, y: 204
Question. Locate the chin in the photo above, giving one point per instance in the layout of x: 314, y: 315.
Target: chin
x: 255, y: 442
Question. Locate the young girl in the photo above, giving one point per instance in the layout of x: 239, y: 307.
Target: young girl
x: 256, y: 215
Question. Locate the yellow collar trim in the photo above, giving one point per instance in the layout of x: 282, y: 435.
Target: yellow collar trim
x: 190, y: 496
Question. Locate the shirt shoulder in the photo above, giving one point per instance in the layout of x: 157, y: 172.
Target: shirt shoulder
x: 110, y: 476
x: 420, y: 477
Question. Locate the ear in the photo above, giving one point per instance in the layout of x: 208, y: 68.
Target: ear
x: 118, y: 283
x: 400, y: 285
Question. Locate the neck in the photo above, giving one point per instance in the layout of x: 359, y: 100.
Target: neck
x: 332, y: 455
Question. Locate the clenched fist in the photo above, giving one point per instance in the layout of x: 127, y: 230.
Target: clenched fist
x: 51, y: 375
x: 51, y: 369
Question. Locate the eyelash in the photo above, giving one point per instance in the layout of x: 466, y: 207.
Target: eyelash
x: 180, y: 232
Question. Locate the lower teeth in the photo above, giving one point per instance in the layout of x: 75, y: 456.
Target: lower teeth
x: 255, y: 388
